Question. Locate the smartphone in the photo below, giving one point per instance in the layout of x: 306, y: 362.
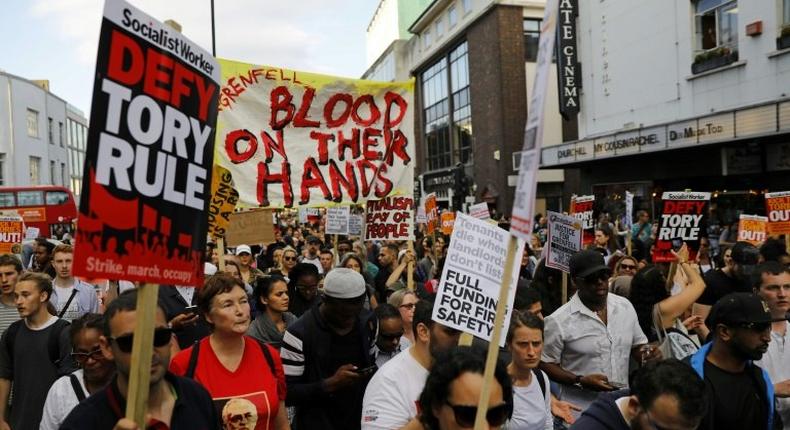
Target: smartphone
x: 618, y: 385
x: 367, y: 371
x: 190, y: 310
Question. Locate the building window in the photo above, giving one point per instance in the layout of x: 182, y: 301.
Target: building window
x: 60, y: 133
x: 461, y: 102
x: 452, y: 16
x: 436, y: 112
x: 786, y: 14
x: 32, y: 123
x: 52, y: 172
x: 531, y: 39
x: 35, y: 167
x: 467, y: 5
x: 2, y: 169
x: 439, y: 27
x: 63, y: 179
x: 716, y: 24
x: 49, y: 131
x: 426, y: 38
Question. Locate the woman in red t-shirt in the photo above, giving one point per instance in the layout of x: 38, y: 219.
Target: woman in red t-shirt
x: 244, y: 377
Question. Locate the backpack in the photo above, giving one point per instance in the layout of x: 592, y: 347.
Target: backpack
x: 53, y: 340
x: 193, y: 357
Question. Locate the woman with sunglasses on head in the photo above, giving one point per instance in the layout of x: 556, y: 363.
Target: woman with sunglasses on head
x: 286, y: 263
x: 271, y: 295
x: 231, y: 366
x: 450, y: 397
x: 405, y: 301
x: 95, y: 371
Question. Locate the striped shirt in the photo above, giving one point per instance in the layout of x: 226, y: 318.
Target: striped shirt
x: 8, y: 315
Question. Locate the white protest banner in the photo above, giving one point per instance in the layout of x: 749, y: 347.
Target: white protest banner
x: 468, y: 291
x: 391, y: 218
x: 564, y: 238
x: 421, y: 217
x: 479, y: 211
x: 302, y: 215
x: 752, y: 228
x: 293, y: 138
x: 524, y: 203
x: 355, y: 223
x: 629, y: 210
x: 337, y: 219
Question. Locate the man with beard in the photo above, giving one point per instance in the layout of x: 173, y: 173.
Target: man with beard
x: 719, y: 283
x: 589, y: 339
x: 741, y: 394
x: 772, y: 284
x: 663, y: 395
x: 391, y: 397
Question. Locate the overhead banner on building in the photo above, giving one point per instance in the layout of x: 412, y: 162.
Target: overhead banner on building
x: 564, y: 238
x: 684, y: 218
x: 301, y: 139
x: 468, y: 291
x: 568, y: 73
x: 391, y: 218
x: 582, y: 209
x: 12, y: 231
x: 524, y: 203
x: 150, y: 151
x: 777, y: 207
x: 752, y: 228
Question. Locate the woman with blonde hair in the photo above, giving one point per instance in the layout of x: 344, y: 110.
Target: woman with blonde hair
x: 404, y: 301
x: 287, y: 261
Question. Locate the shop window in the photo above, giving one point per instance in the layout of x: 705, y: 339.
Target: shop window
x: 531, y: 39
x: 716, y: 27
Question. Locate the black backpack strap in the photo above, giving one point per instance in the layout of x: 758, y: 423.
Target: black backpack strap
x: 53, y: 341
x: 542, y: 382
x: 68, y: 303
x: 75, y: 384
x: 193, y: 357
x: 268, y: 355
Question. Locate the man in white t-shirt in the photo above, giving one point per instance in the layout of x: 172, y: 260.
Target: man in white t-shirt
x: 390, y: 400
x: 72, y: 298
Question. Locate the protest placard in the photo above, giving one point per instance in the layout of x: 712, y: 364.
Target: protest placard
x: 12, y: 229
x: 293, y: 138
x: 564, y: 238
x: 355, y: 224
x: 684, y: 218
x: 391, y: 218
x: 149, y: 153
x: 468, y: 291
x: 582, y: 209
x: 480, y: 211
x: 32, y: 233
x: 431, y: 213
x: 223, y: 201
x: 337, y: 219
x: 250, y: 227
x: 629, y: 210
x: 448, y: 219
x: 752, y: 228
x: 777, y: 207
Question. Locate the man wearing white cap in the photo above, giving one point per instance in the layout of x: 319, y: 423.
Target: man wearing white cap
x: 328, y: 357
x: 248, y: 273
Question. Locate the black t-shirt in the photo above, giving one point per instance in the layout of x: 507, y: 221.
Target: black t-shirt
x: 346, y: 404
x: 735, y: 398
x: 717, y: 285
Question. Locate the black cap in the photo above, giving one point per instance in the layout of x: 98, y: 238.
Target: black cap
x: 313, y: 239
x: 745, y: 253
x: 586, y: 262
x: 740, y: 308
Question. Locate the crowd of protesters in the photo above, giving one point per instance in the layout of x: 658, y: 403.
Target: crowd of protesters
x: 317, y: 332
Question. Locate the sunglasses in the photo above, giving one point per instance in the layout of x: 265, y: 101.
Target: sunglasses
x: 465, y: 415
x: 758, y: 327
x: 82, y: 357
x: 289, y: 258
x: 408, y: 306
x: 391, y: 335
x: 162, y: 337
x: 593, y: 278
x: 627, y: 267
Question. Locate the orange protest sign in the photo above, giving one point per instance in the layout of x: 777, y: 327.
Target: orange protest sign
x: 12, y: 229
x: 448, y: 220
x: 777, y: 207
x: 751, y: 228
x: 432, y: 213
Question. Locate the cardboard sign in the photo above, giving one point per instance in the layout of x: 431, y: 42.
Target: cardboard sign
x: 293, y: 138
x: 752, y: 228
x: 564, y: 238
x: 355, y: 224
x: 480, y: 211
x: 684, y: 218
x: 448, y: 219
x: 337, y: 219
x: 250, y: 228
x: 526, y: 188
x: 223, y: 201
x: 777, y: 207
x: 12, y: 229
x: 468, y: 291
x: 391, y: 218
x: 582, y: 209
x: 431, y: 213
x: 149, y: 156
x: 629, y: 210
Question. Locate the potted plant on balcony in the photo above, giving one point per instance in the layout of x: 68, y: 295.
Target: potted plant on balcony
x: 783, y: 41
x: 713, y: 59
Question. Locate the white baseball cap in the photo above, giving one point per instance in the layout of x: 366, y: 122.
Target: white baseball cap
x: 242, y: 249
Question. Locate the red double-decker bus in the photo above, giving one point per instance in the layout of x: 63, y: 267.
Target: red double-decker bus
x: 49, y: 208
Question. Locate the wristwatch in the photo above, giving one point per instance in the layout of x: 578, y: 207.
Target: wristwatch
x: 577, y: 382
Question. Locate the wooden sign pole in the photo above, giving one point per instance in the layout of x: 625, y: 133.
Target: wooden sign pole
x: 221, y: 253
x: 493, y: 346
x: 787, y: 242
x: 410, y: 269
x: 564, y: 288
x: 629, y: 242
x: 142, y: 349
